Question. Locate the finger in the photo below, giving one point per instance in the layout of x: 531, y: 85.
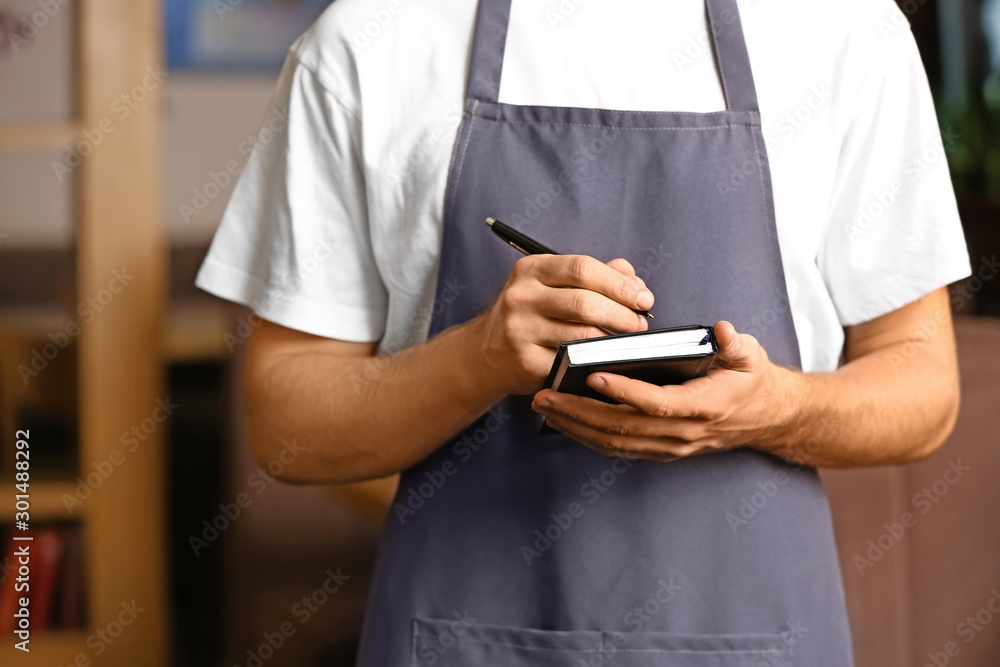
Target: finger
x: 619, y: 420
x: 623, y: 266
x: 585, y: 272
x: 672, y: 401
x: 737, y: 351
x: 552, y: 332
x: 660, y: 449
x: 605, y: 417
x: 590, y: 308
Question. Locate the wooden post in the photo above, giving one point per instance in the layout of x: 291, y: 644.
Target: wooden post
x: 121, y: 253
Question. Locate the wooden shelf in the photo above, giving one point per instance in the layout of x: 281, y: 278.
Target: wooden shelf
x: 38, y: 137
x: 194, y: 328
x: 118, y: 355
x: 56, y: 647
x: 46, y: 502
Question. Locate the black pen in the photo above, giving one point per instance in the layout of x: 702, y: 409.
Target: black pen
x: 529, y: 246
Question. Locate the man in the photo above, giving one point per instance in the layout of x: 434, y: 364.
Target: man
x: 775, y: 169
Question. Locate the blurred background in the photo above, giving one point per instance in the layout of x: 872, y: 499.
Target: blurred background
x: 157, y: 540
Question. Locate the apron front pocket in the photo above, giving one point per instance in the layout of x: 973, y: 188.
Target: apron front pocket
x: 461, y: 642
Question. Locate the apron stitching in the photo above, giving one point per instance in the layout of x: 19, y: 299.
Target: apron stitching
x: 465, y: 148
x: 624, y: 111
x: 663, y: 127
x: 768, y: 207
x: 688, y: 650
x: 629, y: 650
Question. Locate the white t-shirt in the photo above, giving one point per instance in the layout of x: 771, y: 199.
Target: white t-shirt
x: 335, y: 225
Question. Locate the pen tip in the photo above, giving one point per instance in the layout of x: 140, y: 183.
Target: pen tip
x: 490, y: 221
x: 649, y: 315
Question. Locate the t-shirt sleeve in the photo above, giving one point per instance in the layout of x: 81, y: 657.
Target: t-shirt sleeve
x: 894, y: 232
x: 294, y: 242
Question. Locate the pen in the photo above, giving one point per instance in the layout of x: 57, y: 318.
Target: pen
x: 528, y: 245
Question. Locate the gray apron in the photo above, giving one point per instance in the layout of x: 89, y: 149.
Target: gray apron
x: 513, y: 549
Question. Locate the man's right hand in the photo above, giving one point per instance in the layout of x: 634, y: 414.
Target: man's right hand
x: 554, y: 298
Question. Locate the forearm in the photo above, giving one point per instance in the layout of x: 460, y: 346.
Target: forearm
x: 894, y: 405
x: 360, y: 418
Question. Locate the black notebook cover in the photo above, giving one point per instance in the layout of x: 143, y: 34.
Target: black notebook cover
x: 659, y: 370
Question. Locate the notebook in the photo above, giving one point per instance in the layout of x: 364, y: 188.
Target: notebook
x: 659, y: 356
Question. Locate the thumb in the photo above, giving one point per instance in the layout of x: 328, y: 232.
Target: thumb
x: 736, y: 350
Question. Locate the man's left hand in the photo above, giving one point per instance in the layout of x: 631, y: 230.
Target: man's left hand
x: 743, y: 400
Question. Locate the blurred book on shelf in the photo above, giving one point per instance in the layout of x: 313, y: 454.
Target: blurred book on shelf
x: 54, y: 585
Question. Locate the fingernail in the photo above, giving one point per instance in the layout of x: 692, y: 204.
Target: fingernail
x: 645, y: 299
x: 542, y: 405
x: 598, y: 382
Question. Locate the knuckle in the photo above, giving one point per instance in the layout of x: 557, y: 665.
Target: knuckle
x: 524, y: 266
x: 687, y: 433
x: 619, y: 428
x: 582, y: 303
x: 512, y: 331
x: 662, y: 409
x: 624, y: 291
x: 581, y: 268
x: 522, y: 359
x: 612, y: 444
x: 625, y: 264
x: 583, y: 331
x: 514, y: 297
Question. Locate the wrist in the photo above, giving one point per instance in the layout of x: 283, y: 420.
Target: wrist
x: 474, y: 362
x: 787, y: 398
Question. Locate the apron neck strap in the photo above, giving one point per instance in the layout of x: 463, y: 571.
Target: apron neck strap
x: 725, y: 27
x: 731, y: 55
